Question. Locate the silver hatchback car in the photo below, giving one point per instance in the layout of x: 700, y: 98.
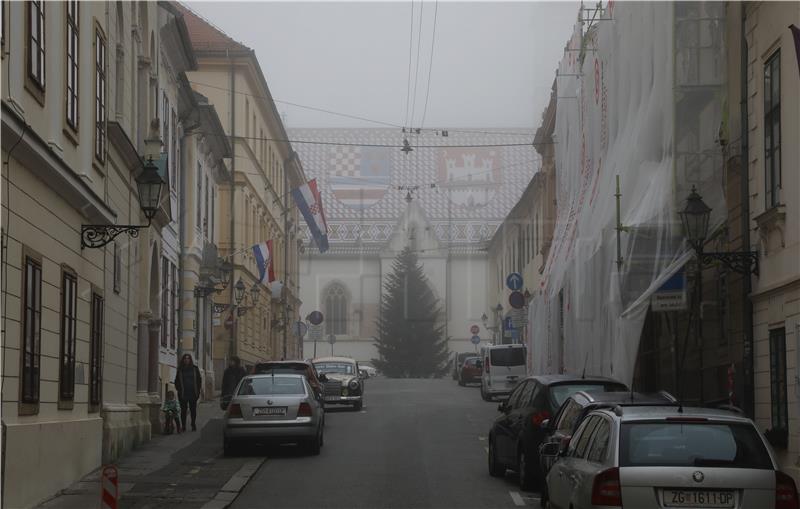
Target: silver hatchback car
x: 274, y: 408
x: 660, y: 457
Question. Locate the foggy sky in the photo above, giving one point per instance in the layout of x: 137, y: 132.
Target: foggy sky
x: 493, y: 62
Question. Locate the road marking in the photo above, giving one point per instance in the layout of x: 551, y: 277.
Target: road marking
x: 194, y: 471
x: 486, y: 449
x: 517, y: 499
x: 363, y: 411
x: 481, y: 438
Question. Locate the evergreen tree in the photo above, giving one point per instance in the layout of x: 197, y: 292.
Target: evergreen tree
x: 411, y: 343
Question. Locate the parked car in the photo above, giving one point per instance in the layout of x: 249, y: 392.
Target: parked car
x: 274, y: 408
x: 458, y: 361
x: 569, y: 416
x: 517, y: 432
x: 656, y: 457
x: 343, y: 384
x: 304, y: 368
x: 470, y: 371
x: 371, y: 371
x: 503, y: 367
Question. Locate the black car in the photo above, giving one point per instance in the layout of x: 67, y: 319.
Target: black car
x: 517, y: 432
x: 566, y: 420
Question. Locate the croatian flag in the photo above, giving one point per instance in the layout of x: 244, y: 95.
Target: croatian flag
x: 309, y: 202
x: 263, y: 254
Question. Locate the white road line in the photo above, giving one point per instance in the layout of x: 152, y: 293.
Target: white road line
x: 517, y: 499
x: 481, y: 438
x: 486, y: 449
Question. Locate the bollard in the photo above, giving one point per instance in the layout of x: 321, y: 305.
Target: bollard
x: 110, y: 487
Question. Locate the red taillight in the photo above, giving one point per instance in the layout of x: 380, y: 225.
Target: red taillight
x: 486, y: 365
x: 234, y: 410
x: 606, y: 489
x: 304, y: 410
x: 539, y: 417
x: 785, y: 492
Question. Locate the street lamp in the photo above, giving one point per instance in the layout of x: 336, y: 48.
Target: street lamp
x: 695, y: 220
x: 223, y: 269
x: 150, y: 185
x: 238, y: 291
x: 255, y: 292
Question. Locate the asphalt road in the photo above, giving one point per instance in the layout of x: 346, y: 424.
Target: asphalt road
x: 416, y: 444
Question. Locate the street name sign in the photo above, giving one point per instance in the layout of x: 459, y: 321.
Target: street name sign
x: 671, y: 296
x: 315, y: 332
x: 514, y: 281
x: 518, y: 317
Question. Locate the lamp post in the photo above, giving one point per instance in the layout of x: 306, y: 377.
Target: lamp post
x: 149, y: 184
x: 239, y: 290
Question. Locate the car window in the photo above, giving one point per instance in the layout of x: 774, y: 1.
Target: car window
x: 515, y: 394
x: 336, y: 367
x: 272, y: 385
x: 598, y: 450
x: 695, y: 444
x: 525, y: 395
x: 507, y: 356
x: 536, y: 391
x: 569, y: 416
x: 582, y: 442
x: 560, y: 392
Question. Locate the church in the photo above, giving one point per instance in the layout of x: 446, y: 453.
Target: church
x: 443, y: 193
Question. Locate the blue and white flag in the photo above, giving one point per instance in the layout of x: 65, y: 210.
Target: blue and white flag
x: 309, y: 202
x: 263, y: 254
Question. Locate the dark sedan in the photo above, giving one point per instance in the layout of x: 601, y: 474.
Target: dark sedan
x: 517, y: 432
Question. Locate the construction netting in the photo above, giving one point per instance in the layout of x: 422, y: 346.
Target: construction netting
x: 640, y: 98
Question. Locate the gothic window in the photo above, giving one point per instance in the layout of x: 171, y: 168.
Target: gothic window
x: 335, y: 299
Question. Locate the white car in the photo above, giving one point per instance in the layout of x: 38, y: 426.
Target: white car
x: 504, y: 366
x: 371, y: 371
x: 655, y: 457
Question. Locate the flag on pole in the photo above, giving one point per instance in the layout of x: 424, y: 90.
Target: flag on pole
x: 263, y: 254
x: 309, y: 202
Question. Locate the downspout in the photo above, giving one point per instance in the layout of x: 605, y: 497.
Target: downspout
x: 234, y: 348
x: 747, y: 282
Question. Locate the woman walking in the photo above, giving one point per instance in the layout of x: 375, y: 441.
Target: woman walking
x: 188, y: 383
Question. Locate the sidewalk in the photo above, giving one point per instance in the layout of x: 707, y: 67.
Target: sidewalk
x: 180, y: 470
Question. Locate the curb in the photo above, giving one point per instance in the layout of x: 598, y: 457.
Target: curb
x: 235, y: 485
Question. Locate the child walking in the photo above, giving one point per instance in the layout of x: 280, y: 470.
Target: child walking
x: 171, y: 411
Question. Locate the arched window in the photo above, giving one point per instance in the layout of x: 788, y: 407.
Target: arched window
x: 335, y: 299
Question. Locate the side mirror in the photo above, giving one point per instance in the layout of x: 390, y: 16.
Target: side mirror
x: 323, y: 378
x: 551, y: 449
x: 545, y: 424
x: 502, y: 407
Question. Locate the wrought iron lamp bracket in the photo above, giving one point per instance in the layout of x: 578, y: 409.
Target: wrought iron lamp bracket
x: 98, y: 235
x: 742, y: 262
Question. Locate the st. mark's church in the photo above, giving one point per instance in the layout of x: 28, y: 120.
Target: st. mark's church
x: 445, y: 198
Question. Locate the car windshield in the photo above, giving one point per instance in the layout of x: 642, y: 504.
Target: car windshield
x: 507, y: 357
x: 692, y: 444
x: 271, y: 385
x: 336, y: 367
x: 560, y: 392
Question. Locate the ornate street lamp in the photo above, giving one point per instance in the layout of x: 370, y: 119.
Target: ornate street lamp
x: 255, y: 292
x: 695, y: 219
x: 225, y: 269
x: 238, y: 291
x: 150, y: 185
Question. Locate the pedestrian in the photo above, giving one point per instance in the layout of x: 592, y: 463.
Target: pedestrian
x: 230, y: 379
x: 188, y: 383
x: 171, y: 416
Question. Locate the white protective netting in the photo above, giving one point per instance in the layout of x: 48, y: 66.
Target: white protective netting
x: 640, y: 95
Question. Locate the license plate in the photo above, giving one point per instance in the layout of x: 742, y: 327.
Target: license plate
x: 698, y: 498
x: 331, y: 398
x: 270, y: 410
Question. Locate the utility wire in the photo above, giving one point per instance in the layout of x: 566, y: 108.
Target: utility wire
x: 379, y: 145
x: 410, y: 48
x: 430, y: 64
x: 416, y: 70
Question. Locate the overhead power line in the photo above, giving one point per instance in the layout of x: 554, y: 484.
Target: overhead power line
x: 430, y: 65
x: 383, y: 145
x: 416, y: 70
x: 410, y: 53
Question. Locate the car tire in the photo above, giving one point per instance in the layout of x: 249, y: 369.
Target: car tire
x: 358, y: 405
x: 484, y: 395
x: 461, y: 382
x: 229, y: 448
x: 496, y: 469
x: 528, y: 478
x: 314, y: 445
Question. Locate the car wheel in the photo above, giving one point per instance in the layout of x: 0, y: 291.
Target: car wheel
x: 315, y: 444
x: 358, y: 405
x: 461, y: 382
x: 529, y: 478
x: 496, y: 469
x: 229, y: 447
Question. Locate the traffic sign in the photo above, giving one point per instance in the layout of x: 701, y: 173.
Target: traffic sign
x: 331, y: 339
x: 299, y: 328
x: 315, y: 332
x: 508, y: 323
x: 518, y: 318
x: 514, y: 281
x: 517, y: 300
x: 315, y: 318
x: 475, y: 340
x: 474, y: 329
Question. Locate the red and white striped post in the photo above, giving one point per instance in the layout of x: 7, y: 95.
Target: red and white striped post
x: 110, y: 486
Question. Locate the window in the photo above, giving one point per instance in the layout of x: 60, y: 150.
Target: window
x: 31, y: 330
x: 581, y: 440
x: 205, y: 206
x: 164, y: 121
x: 335, y: 309
x: 95, y: 350
x: 36, y: 61
x: 516, y: 394
x: 599, y: 449
x: 173, y: 151
x: 72, y: 64
x: 199, y: 178
x: 100, y: 96
x: 165, y: 302
x: 69, y: 315
x: 568, y: 417
x: 211, y: 217
x: 772, y: 129
x: 175, y: 307
x: 777, y: 379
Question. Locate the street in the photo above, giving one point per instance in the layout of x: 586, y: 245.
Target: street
x: 416, y: 443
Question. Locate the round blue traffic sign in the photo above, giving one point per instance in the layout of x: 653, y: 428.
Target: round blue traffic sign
x: 475, y: 339
x: 315, y: 318
x: 514, y: 281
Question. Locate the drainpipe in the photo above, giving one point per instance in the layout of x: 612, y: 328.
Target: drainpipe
x: 234, y: 330
x: 747, y: 304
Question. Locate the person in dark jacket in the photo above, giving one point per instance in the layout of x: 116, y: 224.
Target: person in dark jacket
x: 232, y: 376
x: 187, y: 384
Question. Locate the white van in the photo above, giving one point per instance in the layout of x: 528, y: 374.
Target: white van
x: 503, y: 367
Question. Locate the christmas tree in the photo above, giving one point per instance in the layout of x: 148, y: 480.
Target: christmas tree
x: 411, y: 343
